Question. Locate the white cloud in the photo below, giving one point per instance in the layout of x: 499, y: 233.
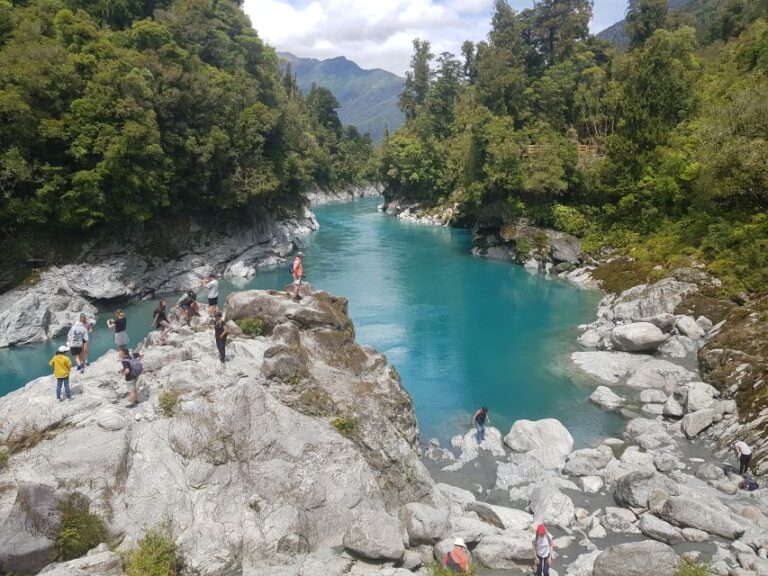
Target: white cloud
x: 378, y: 33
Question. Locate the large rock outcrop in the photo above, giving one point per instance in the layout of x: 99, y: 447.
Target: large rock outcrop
x: 116, y: 270
x: 256, y: 466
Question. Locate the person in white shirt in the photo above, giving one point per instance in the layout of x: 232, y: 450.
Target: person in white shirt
x: 213, y: 293
x: 744, y: 454
x: 77, y: 338
x: 543, y: 551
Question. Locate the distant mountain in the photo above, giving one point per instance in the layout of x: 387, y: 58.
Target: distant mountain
x: 368, y: 97
x: 616, y: 35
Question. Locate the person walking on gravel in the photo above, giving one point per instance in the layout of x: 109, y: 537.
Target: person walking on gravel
x: 543, y: 551
x: 298, y: 273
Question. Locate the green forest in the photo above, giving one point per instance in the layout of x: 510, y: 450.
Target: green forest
x: 658, y: 152
x: 122, y: 112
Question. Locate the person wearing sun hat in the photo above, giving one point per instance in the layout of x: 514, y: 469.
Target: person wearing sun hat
x: 543, y: 551
x: 457, y: 560
x: 61, y: 365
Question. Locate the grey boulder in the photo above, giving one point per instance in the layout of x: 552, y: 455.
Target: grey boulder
x: 376, y: 536
x: 636, y: 559
x: 636, y: 488
x: 424, y: 524
x: 695, y: 423
x: 606, y: 398
x: 688, y: 512
x: 527, y: 435
x: 637, y: 337
x: 550, y: 506
x: 660, y: 530
x: 504, y: 551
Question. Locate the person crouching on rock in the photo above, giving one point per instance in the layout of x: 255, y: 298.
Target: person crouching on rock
x: 744, y: 454
x: 543, y: 551
x: 220, y: 333
x: 131, y: 368
x: 61, y: 366
x: 188, y: 305
x: 160, y: 321
x: 457, y: 559
x: 479, y: 420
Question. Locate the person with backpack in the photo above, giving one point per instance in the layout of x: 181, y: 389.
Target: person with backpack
x: 160, y: 321
x: 76, y: 339
x: 188, y: 304
x: 61, y: 365
x: 457, y: 559
x: 297, y: 271
x: 131, y: 368
x: 212, y: 284
x: 543, y: 551
x: 220, y: 333
x: 480, y: 419
x: 119, y: 324
x: 744, y: 454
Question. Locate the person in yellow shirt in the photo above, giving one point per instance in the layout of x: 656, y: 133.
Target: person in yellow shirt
x: 61, y: 366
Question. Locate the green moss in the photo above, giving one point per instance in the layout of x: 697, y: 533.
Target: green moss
x: 251, y: 326
x: 79, y: 529
x: 155, y: 555
x: 344, y: 425
x: 688, y: 567
x: 167, y: 401
x: 622, y: 274
x: 3, y: 458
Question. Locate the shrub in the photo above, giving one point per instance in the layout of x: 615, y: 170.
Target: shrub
x: 79, y: 529
x: 688, y: 567
x: 3, y: 458
x: 251, y: 326
x: 438, y: 569
x: 570, y: 220
x: 155, y: 555
x: 168, y: 401
x: 343, y: 425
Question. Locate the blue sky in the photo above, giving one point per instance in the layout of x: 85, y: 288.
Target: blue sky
x: 378, y: 33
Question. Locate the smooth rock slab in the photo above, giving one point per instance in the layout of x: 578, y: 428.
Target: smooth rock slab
x: 660, y: 374
x: 375, y: 535
x: 636, y: 488
x: 696, y: 422
x: 501, y: 516
x: 693, y: 513
x: 607, y: 399
x: 637, y: 337
x: 609, y: 367
x: 660, y: 530
x: 636, y: 559
x: 504, y: 551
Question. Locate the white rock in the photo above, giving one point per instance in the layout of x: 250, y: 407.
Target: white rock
x: 583, y: 565
x: 637, y: 337
x: 591, y: 484
x: 695, y: 513
x: 653, y: 396
x: 704, y: 323
x: 609, y: 367
x: 660, y: 530
x: 550, y: 506
x: 526, y: 435
x: 636, y: 559
x: 375, y: 535
x: 687, y: 326
x: 504, y: 551
x: 606, y: 398
x: 501, y: 516
x: 660, y: 374
x: 695, y: 423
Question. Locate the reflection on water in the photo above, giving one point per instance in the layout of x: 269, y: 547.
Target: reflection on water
x: 462, y: 331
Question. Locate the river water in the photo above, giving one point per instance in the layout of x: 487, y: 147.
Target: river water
x: 462, y: 331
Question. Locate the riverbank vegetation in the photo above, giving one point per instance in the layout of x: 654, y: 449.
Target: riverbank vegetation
x: 132, y: 113
x: 658, y: 153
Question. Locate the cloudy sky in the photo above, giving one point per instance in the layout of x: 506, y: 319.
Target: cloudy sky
x: 378, y: 33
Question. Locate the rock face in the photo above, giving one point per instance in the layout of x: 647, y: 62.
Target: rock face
x: 694, y: 513
x: 317, y: 196
x: 637, y: 337
x: 114, y: 271
x: 249, y: 471
x: 526, y: 435
x: 636, y: 559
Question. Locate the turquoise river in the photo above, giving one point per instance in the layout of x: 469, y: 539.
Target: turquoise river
x: 462, y: 331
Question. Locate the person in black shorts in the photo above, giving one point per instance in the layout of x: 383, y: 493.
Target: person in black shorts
x: 160, y: 321
x: 188, y: 305
x: 220, y: 333
x: 213, y: 293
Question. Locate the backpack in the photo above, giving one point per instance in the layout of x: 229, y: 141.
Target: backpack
x: 749, y: 484
x: 75, y: 338
x: 135, y: 368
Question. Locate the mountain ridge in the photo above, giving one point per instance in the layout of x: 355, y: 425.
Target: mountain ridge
x: 368, y: 97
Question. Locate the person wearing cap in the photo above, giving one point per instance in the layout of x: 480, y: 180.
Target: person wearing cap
x: 77, y: 339
x: 543, y: 551
x: 457, y: 559
x: 61, y: 365
x: 298, y: 272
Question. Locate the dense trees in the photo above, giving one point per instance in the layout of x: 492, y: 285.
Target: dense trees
x: 124, y: 111
x: 659, y: 152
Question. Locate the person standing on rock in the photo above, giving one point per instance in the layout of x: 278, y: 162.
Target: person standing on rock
x: 744, y: 454
x: 119, y: 325
x: 457, y: 559
x: 188, y: 305
x: 89, y: 324
x: 543, y: 551
x: 131, y: 368
x: 160, y: 321
x: 479, y: 420
x: 76, y: 339
x: 297, y: 270
x: 220, y: 333
x: 212, y: 284
x: 61, y: 368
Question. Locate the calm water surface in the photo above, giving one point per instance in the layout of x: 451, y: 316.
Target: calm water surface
x: 462, y: 331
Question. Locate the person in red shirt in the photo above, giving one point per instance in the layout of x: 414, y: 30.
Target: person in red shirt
x: 298, y: 273
x: 457, y: 560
